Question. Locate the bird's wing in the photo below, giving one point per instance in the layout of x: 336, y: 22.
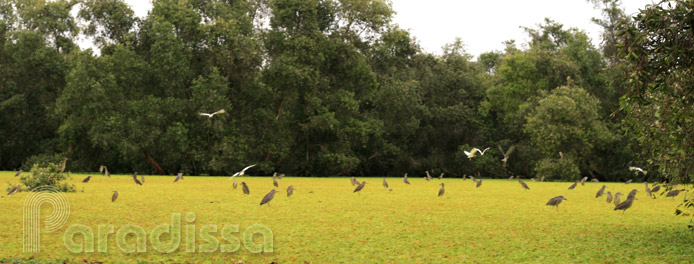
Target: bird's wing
x: 509, y: 151
x: 482, y: 152
x: 205, y: 114
x: 244, y: 169
x: 221, y: 111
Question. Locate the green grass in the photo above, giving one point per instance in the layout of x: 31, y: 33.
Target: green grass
x: 325, y: 222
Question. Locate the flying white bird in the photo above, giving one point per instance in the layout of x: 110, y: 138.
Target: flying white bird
x: 240, y: 173
x: 506, y: 154
x: 473, y: 152
x: 221, y: 111
x: 637, y: 169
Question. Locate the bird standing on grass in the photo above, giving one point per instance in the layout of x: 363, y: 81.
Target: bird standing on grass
x: 674, y: 193
x: 655, y: 189
x: 441, y: 176
x: 142, y: 178
x: 268, y: 197
x: 87, y: 179
x: 135, y: 179
x: 648, y: 190
x: 274, y: 179
x: 479, y: 183
x: 609, y: 197
x: 628, y: 181
x: 353, y: 180
x: 290, y: 190
x: 556, y: 201
x: 210, y: 115
x: 428, y: 176
x: 115, y: 196
x: 13, y: 190
x: 234, y: 184
x: 179, y: 177
x: 525, y: 186
x: 583, y: 181
x: 601, y: 191
x: 617, y: 198
x: 385, y: 183
x: 404, y: 179
x: 625, y: 205
x: 18, y: 172
x: 245, y: 188
x: 360, y: 187
x: 632, y: 194
x: 441, y: 191
x: 573, y: 185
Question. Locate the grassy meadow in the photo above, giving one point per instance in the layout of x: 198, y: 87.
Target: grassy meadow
x: 325, y: 222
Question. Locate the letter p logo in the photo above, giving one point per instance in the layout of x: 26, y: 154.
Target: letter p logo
x: 32, y: 215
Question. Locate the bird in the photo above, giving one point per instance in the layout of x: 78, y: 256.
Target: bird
x: 290, y: 190
x: 353, y: 180
x: 13, y: 190
x: 104, y: 170
x: 234, y: 184
x: 674, y: 193
x: 625, y: 205
x: 542, y: 178
x: 556, y: 201
x: 510, y: 178
x: 142, y: 178
x: 655, y: 189
x: 601, y: 191
x: 242, y: 172
x: 474, y: 152
x: 404, y: 179
x: 479, y: 183
x: 573, y: 185
x: 428, y: 176
x: 632, y: 194
x: 583, y: 181
x: 648, y: 190
x: 617, y: 198
x: 441, y: 176
x: 361, y: 186
x: 280, y: 176
x: 18, y: 172
x: 609, y: 197
x: 135, y: 179
x: 87, y: 179
x: 637, y: 170
x: 594, y: 180
x: 473, y: 178
x: 245, y: 188
x: 179, y: 177
x: 62, y: 164
x: 525, y: 186
x: 628, y: 181
x: 274, y: 180
x: 442, y: 190
x: 506, y: 154
x: 221, y: 111
x: 385, y: 183
x: 268, y: 197
x: 115, y: 196
x: 532, y: 179
x: 357, y: 182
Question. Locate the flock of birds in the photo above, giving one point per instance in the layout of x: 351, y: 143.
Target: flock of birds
x: 555, y: 201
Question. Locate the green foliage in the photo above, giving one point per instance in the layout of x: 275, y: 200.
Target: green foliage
x: 557, y: 169
x: 49, y: 175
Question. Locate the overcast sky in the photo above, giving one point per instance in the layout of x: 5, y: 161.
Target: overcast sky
x: 482, y: 25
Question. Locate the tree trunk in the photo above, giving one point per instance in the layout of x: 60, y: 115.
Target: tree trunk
x: 154, y: 163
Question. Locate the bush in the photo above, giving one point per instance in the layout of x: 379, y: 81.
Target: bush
x: 42, y: 160
x: 557, y: 169
x: 48, y: 175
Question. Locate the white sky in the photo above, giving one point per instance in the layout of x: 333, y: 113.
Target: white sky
x: 481, y: 25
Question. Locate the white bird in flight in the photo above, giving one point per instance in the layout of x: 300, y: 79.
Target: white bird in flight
x: 221, y: 111
x: 637, y: 169
x: 473, y: 152
x: 240, y: 173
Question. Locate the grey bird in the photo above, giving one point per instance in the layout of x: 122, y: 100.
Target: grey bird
x: 556, y: 201
x: 281, y: 176
x: 290, y: 190
x: 13, y: 190
x: 510, y: 178
x: 274, y: 179
x: 135, y: 179
x: 115, y: 196
x: 601, y: 191
x: 18, y: 172
x: 87, y: 179
x: 234, y: 184
x: 573, y: 185
x: 542, y: 178
x: 655, y: 189
x: 479, y: 183
x: 428, y: 176
x: 385, y: 183
x: 404, y: 179
x: 441, y: 176
x: 625, y: 205
x: 442, y: 190
x: 268, y: 197
x: 609, y: 197
x: 142, y: 178
x: 357, y: 182
x: 674, y: 193
x: 628, y: 181
x: 594, y: 180
x: 532, y: 179
x: 179, y: 177
x: 245, y: 188
x: 648, y: 190
x: 105, y: 170
x: 473, y: 178
x: 361, y: 186
x: 525, y: 186
x: 62, y: 165
x: 632, y: 194
x: 353, y: 180
x: 583, y: 181
x: 617, y: 198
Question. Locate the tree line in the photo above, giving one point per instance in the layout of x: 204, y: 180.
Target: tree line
x: 311, y: 88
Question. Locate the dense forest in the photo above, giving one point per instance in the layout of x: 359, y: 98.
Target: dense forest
x: 333, y: 87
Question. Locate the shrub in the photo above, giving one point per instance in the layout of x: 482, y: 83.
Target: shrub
x: 48, y: 175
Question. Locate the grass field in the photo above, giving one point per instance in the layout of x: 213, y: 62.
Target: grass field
x: 325, y: 222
